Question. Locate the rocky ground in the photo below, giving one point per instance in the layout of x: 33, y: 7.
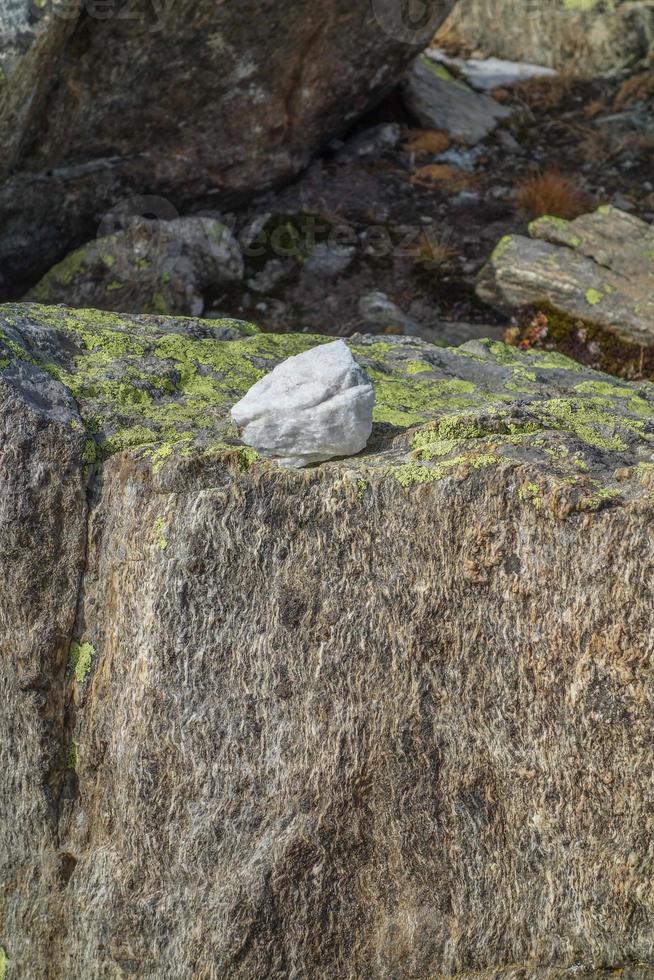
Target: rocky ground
x: 389, y: 229
x: 408, y: 213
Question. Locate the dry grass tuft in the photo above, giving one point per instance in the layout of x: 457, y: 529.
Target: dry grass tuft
x: 640, y: 88
x: 427, y: 142
x: 545, y: 93
x: 435, y: 174
x: 551, y: 192
x: 430, y: 251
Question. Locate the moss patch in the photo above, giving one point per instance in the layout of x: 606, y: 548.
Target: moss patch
x: 81, y: 660
x: 160, y: 537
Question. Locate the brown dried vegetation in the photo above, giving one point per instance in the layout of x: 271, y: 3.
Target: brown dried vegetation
x: 427, y: 142
x: 551, y: 192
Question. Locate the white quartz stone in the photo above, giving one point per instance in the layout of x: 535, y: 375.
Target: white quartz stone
x: 310, y: 408
x: 489, y: 73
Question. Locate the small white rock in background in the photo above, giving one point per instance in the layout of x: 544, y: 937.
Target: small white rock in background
x: 489, y: 73
x: 310, y: 408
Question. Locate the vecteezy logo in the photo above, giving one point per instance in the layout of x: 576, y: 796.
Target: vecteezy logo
x: 142, y: 244
x: 410, y: 21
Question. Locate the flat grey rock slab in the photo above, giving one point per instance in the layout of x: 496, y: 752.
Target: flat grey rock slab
x: 440, y: 101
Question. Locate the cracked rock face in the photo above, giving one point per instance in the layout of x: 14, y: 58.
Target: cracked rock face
x: 310, y: 408
x: 388, y: 717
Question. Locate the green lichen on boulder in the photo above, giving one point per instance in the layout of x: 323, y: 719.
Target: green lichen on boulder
x: 592, y: 278
x: 163, y: 388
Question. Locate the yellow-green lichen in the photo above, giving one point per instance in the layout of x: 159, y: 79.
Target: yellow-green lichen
x: 599, y: 499
x: 4, y: 960
x: 243, y: 456
x: 408, y: 474
x: 530, y: 493
x: 441, y: 72
x: 73, y: 756
x: 404, y: 403
x: 80, y: 660
x: 593, y: 297
x: 444, y: 435
x: 417, y: 367
x: 501, y: 248
x: 135, y: 435
x: 66, y: 271
x: 160, y: 537
x: 590, y: 420
x: 90, y: 452
x: 603, y: 388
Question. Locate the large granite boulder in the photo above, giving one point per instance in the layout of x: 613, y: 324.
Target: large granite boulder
x: 389, y: 717
x: 583, y: 36
x: 590, y: 278
x: 187, y: 100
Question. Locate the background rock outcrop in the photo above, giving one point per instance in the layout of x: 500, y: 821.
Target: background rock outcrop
x: 592, y: 280
x: 146, y: 267
x: 584, y: 36
x: 187, y: 101
x: 390, y: 717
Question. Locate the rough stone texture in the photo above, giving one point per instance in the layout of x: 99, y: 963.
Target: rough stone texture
x: 597, y: 269
x: 243, y: 95
x: 585, y: 36
x: 386, y: 718
x: 439, y: 101
x: 147, y: 267
x: 310, y: 408
x: 42, y: 547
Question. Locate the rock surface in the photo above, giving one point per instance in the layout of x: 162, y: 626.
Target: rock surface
x: 386, y: 718
x: 311, y: 407
x: 245, y: 94
x: 440, y: 101
x: 147, y: 267
x: 583, y: 36
x: 597, y: 269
